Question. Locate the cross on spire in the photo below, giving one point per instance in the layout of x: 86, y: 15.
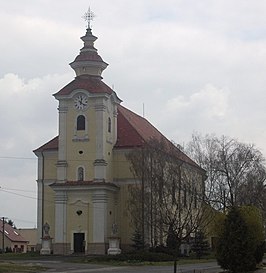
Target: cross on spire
x: 88, y: 17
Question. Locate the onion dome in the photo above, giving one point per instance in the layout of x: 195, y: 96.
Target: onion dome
x: 88, y: 62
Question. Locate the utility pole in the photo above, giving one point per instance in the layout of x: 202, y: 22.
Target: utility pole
x: 142, y: 201
x: 3, y: 234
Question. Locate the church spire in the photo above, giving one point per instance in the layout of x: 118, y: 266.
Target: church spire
x: 88, y: 62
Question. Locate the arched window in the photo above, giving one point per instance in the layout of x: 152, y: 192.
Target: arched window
x: 80, y: 174
x: 80, y: 123
x: 109, y: 125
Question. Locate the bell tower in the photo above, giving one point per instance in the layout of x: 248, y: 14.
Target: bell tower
x: 87, y: 118
x: 87, y: 135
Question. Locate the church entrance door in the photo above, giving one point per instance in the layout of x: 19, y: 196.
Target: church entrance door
x: 79, y: 242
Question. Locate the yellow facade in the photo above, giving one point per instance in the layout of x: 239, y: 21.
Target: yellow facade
x: 83, y: 181
x: 82, y: 200
x: 84, y: 176
x: 121, y: 166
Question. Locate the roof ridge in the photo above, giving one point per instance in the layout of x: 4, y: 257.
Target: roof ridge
x: 133, y: 127
x: 182, y: 155
x: 146, y: 121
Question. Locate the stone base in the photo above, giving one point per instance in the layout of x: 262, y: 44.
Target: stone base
x: 46, y: 251
x: 46, y: 246
x: 62, y: 249
x: 114, y: 246
x: 113, y: 251
x: 96, y: 248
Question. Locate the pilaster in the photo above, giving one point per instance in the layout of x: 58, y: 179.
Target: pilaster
x: 62, y: 163
x: 100, y: 163
x: 115, y: 125
x: 60, y: 217
x: 99, y: 202
x: 100, y: 170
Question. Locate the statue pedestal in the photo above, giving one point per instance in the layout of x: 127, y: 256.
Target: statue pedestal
x: 46, y: 246
x: 114, y: 246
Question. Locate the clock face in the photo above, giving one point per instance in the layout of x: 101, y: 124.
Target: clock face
x: 80, y: 102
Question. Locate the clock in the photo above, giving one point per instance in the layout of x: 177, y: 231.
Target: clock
x: 80, y: 102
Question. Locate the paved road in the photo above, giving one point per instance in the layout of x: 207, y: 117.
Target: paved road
x: 61, y: 266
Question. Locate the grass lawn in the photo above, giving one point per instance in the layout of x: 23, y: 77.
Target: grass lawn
x: 6, y: 267
x: 11, y: 262
x: 130, y: 258
x: 19, y: 256
x: 8, y: 264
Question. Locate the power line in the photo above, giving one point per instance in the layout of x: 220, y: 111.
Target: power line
x: 9, y: 189
x: 18, y: 157
x: 22, y: 195
x: 53, y: 159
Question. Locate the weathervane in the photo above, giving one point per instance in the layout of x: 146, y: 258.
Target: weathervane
x: 88, y: 17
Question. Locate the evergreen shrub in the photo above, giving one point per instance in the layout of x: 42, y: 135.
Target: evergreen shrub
x: 239, y: 242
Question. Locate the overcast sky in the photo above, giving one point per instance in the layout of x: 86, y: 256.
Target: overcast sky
x: 195, y: 65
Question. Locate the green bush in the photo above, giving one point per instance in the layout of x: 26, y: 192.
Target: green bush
x: 137, y: 239
x: 239, y: 242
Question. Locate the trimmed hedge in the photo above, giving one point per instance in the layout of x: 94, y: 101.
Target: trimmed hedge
x: 139, y: 256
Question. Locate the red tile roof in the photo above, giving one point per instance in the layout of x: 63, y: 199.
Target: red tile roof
x: 127, y: 134
x: 50, y: 145
x: 132, y: 131
x: 88, y: 56
x: 11, y: 233
x: 90, y: 83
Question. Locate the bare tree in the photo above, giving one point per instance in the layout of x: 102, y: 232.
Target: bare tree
x: 168, y: 195
x: 235, y: 170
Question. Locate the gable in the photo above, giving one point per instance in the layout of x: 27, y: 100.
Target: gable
x: 11, y: 233
x: 50, y: 145
x: 90, y: 83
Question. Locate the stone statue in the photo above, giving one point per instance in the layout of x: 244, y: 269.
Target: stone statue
x: 114, y: 242
x: 46, y: 241
x: 46, y: 229
x: 114, y: 229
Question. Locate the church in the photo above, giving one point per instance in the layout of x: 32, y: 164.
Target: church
x: 83, y: 173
